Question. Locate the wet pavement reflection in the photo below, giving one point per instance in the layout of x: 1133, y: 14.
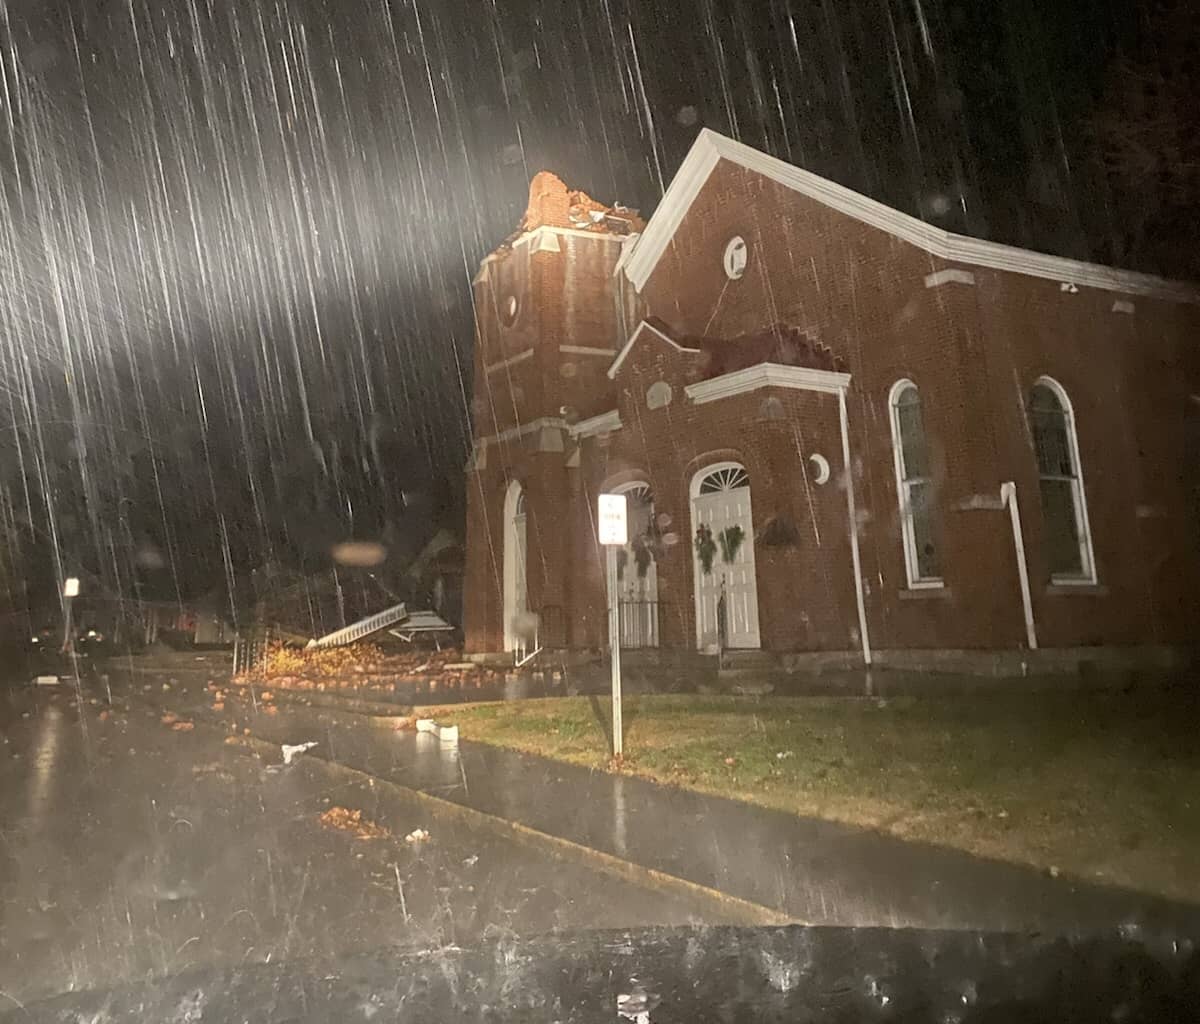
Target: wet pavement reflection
x: 129, y: 850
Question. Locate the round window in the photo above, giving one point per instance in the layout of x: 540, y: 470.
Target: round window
x: 736, y: 254
x: 819, y: 468
x: 658, y: 395
x: 509, y: 309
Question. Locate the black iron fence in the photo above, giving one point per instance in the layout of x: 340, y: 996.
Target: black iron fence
x: 638, y: 621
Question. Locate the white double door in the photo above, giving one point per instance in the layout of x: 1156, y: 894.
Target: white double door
x: 721, y: 508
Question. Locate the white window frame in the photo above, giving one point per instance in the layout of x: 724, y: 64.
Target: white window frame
x: 912, y: 575
x: 1083, y: 528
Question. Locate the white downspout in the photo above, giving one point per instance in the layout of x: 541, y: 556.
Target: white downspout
x: 853, y: 517
x: 1008, y: 496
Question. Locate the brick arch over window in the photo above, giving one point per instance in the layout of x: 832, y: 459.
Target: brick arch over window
x: 1066, y: 532
x: 710, y: 458
x: 616, y: 482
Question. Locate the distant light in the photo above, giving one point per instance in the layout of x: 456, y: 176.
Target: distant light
x: 359, y: 553
x: 71, y: 586
x: 34, y: 640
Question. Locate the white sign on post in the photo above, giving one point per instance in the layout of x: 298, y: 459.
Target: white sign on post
x: 613, y: 528
x: 614, y: 520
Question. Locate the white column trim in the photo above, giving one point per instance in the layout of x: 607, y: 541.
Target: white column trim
x: 852, y: 515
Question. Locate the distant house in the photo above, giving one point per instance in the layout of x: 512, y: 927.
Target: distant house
x: 841, y: 430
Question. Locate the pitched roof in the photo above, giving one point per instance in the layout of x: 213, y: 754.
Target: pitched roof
x: 711, y: 147
x: 779, y: 344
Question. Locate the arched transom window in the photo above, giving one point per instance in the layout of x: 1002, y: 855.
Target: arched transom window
x: 1066, y: 535
x: 914, y: 487
x: 730, y: 478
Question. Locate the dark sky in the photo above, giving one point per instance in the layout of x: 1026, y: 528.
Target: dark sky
x: 237, y: 239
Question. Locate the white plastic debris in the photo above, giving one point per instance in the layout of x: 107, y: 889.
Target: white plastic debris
x: 784, y: 754
x: 46, y: 681
x: 636, y: 1005
x: 290, y: 750
x: 417, y: 835
x: 446, y: 734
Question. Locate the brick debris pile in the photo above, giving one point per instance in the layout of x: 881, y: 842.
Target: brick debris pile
x: 365, y: 668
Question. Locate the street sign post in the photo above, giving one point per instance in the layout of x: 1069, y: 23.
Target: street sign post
x: 70, y: 592
x: 613, y: 527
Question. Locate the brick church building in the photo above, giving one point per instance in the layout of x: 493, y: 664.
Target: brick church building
x: 843, y: 433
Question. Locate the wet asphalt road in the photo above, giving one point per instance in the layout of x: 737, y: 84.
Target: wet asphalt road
x: 129, y: 850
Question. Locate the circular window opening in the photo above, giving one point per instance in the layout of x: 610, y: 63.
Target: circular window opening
x: 510, y: 309
x: 736, y: 254
x: 819, y: 467
x: 658, y: 395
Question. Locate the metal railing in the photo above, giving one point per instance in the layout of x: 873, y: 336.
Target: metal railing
x: 250, y: 650
x: 363, y: 627
x: 638, y: 621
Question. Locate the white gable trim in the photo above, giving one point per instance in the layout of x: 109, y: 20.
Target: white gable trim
x: 605, y: 423
x: 767, y: 375
x: 637, y: 332
x: 711, y: 147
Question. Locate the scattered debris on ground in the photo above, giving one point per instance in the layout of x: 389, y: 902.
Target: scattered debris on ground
x: 362, y: 668
x: 418, y: 835
x: 213, y: 769
x: 183, y: 727
x: 345, y: 820
x: 290, y: 750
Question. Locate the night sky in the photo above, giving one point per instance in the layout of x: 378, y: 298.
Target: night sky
x: 237, y: 237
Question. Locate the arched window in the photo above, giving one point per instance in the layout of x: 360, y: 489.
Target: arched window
x: 1066, y: 536
x: 914, y: 488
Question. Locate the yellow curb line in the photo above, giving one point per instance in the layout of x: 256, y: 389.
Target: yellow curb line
x: 735, y: 909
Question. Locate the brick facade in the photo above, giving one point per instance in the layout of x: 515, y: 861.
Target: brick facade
x: 974, y: 343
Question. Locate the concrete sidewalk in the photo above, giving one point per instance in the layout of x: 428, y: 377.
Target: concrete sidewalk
x: 814, y: 871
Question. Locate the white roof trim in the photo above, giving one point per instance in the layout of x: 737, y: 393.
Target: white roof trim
x: 711, y: 147
x: 520, y: 357
x: 605, y: 423
x: 628, y: 346
x: 952, y: 275
x: 529, y: 236
x: 586, y: 350
x: 521, y: 430
x: 767, y: 375
x: 536, y: 233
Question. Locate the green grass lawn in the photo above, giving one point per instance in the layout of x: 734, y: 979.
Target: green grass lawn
x: 1102, y: 787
